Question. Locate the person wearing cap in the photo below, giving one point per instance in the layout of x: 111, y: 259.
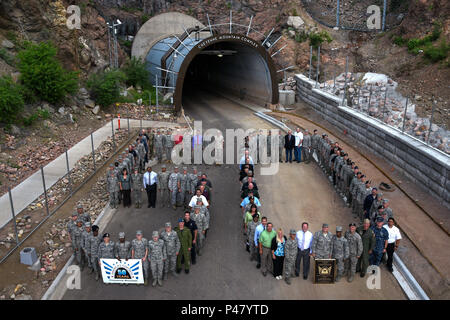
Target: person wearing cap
x: 360, y: 195
x: 347, y: 176
x: 193, y: 178
x: 71, y: 225
x: 290, y: 256
x: 185, y: 236
x: 192, y: 226
x: 315, y: 138
x: 113, y: 188
x: 393, y: 241
x: 280, y: 138
x: 157, y: 255
x: 174, y: 186
x: 76, y: 243
x: 163, y: 187
x: 173, y: 246
x: 150, y: 186
x: 85, y: 235
x: 185, y: 189
x: 139, y: 250
x: 387, y: 208
x: 137, y: 187
x: 169, y: 142
x: 380, y: 213
x: 85, y: 216
x: 353, y: 182
x: 105, y: 249
x: 321, y: 244
x: 250, y: 231
x: 140, y: 149
x: 304, y: 241
x: 122, y: 249
x: 368, y: 201
x: 355, y: 250
x: 306, y: 148
x: 368, y: 240
x: 375, y: 204
x: 339, y: 251
x: 93, y: 243
x: 201, y: 222
x: 159, y: 140
x: 381, y: 242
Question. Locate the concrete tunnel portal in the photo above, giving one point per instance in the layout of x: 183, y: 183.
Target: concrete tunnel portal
x: 200, y: 58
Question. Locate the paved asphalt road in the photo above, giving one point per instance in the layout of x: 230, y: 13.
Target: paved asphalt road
x: 299, y: 192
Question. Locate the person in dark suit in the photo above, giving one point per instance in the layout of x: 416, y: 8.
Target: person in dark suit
x: 289, y: 143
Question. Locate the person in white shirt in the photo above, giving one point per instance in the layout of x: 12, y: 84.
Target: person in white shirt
x: 242, y: 161
x: 198, y: 194
x: 393, y: 241
x: 304, y: 240
x: 150, y: 182
x: 298, y: 145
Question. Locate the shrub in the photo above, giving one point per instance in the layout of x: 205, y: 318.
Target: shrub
x: 435, y: 54
x: 301, y: 36
x: 105, y: 86
x: 399, y: 41
x: 317, y: 38
x: 136, y: 73
x: 11, y: 100
x: 9, y: 59
x: 43, y: 74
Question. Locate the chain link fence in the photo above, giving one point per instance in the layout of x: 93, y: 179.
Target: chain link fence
x: 375, y: 95
x: 359, y: 15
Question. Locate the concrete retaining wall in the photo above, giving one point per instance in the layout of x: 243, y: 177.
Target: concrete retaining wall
x: 419, y: 162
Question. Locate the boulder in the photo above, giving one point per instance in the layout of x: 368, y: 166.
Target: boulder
x: 7, y: 44
x: 96, y: 110
x: 62, y: 110
x: 296, y: 22
x: 15, y: 130
x: 89, y: 103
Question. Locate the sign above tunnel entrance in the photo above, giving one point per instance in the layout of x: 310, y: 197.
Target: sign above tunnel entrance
x: 229, y: 37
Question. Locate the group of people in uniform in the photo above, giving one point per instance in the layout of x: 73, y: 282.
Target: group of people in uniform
x: 167, y: 251
x: 353, y: 249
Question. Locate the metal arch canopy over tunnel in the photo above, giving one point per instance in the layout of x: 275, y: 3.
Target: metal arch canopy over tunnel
x: 199, y: 59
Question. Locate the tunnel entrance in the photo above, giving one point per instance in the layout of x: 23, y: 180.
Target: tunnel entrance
x: 230, y: 68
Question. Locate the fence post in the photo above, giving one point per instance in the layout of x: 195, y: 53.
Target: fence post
x: 345, y: 76
x: 310, y: 62
x: 113, y: 137
x: 45, y: 190
x: 384, y: 105
x: 334, y: 78
x: 431, y: 121
x: 318, y: 65
x: 337, y: 14
x: 140, y: 124
x: 370, y: 99
x: 384, y: 15
x: 325, y: 77
x: 404, y: 116
x: 68, y: 172
x: 13, y: 215
x: 93, y: 152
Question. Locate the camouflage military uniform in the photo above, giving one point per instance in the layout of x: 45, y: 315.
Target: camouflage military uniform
x: 321, y: 245
x: 200, y: 221
x: 159, y: 147
x: 157, y: 255
x: 137, y: 184
x: 290, y: 255
x: 112, y: 186
x: 76, y: 244
x: 193, y: 180
x: 85, y: 246
x: 315, y: 138
x: 151, y: 143
x: 172, y: 245
x: 122, y: 250
x: 174, y: 180
x: 139, y: 248
x: 184, y: 194
x: 141, y: 152
x: 340, y: 253
x: 94, y: 243
x: 251, y: 228
x: 168, y: 145
x: 306, y: 145
x: 355, y: 249
x: 163, y: 188
x: 360, y: 197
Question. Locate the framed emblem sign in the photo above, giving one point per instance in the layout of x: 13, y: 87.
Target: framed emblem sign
x: 123, y: 271
x: 324, y: 270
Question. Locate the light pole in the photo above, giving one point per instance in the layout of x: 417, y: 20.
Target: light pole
x: 114, y: 31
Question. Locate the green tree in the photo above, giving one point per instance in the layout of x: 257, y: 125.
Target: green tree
x: 137, y: 73
x: 105, y: 86
x: 43, y: 74
x: 11, y: 100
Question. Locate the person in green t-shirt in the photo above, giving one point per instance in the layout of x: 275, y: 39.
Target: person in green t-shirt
x: 265, y: 245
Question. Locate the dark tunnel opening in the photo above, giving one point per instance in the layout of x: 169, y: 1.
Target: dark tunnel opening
x: 230, y: 68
